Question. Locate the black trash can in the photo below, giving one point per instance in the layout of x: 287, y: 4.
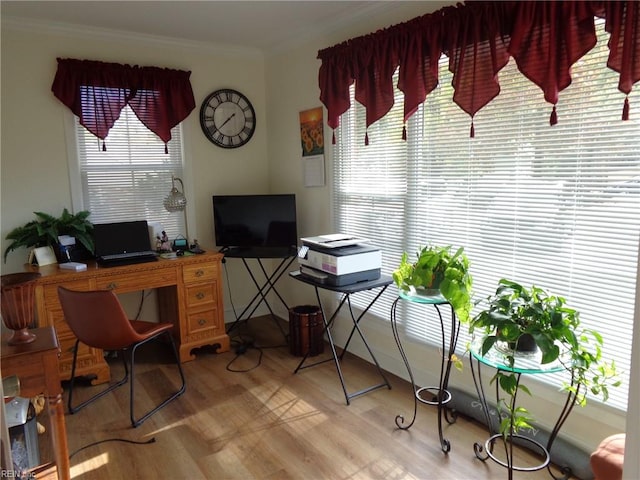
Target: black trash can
x: 306, y: 330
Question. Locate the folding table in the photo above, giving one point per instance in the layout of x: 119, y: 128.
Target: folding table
x: 346, y: 290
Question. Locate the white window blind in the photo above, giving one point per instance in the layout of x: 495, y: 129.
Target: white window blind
x: 558, y: 207
x: 130, y: 180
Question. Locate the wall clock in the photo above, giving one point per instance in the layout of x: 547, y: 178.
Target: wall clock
x: 227, y: 118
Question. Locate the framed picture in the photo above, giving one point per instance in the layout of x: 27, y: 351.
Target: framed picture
x: 45, y: 255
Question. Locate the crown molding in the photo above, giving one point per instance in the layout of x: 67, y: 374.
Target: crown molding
x: 82, y: 31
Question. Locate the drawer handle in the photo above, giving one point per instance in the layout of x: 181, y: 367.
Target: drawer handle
x: 112, y: 286
x: 200, y: 295
x: 199, y: 272
x: 202, y: 321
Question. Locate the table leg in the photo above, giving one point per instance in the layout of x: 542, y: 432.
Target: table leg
x: 263, y: 290
x: 443, y: 395
x: 356, y: 327
x: 507, y: 440
x: 570, y: 402
x: 327, y: 329
x: 478, y: 448
x: 55, y: 409
x: 440, y: 395
x: 394, y: 328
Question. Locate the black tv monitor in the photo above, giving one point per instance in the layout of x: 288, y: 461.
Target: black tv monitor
x: 255, y: 221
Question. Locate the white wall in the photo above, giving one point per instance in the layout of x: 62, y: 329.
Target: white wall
x: 632, y: 441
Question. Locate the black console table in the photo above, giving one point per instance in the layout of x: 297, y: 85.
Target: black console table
x: 347, y: 290
x: 266, y: 284
x: 439, y: 395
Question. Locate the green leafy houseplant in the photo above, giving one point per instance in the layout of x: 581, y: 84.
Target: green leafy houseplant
x: 515, y: 312
x: 44, y: 231
x: 436, y: 268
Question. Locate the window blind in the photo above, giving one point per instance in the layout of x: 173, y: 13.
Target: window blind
x: 130, y: 179
x: 557, y: 207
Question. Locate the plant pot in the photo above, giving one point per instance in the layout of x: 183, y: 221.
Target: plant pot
x: 438, y: 277
x: 525, y: 343
x: 423, y: 292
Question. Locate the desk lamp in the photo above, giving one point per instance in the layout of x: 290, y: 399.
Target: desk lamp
x: 177, y: 202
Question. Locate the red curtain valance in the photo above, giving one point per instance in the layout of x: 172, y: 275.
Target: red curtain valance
x: 97, y: 92
x: 544, y: 37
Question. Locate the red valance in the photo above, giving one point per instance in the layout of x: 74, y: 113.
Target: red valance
x: 97, y: 92
x: 544, y: 37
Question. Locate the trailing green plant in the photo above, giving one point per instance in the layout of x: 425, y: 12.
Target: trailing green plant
x: 515, y: 311
x: 437, y: 268
x: 44, y: 231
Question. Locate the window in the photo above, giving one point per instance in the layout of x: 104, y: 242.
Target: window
x: 130, y: 179
x: 557, y: 207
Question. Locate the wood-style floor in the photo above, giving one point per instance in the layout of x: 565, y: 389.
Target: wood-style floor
x: 249, y: 417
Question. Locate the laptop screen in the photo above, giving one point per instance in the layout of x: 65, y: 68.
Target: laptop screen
x: 121, y: 237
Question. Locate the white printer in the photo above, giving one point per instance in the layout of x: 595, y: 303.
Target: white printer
x: 339, y: 259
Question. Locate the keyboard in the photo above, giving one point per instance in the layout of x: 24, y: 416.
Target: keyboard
x: 127, y: 258
x: 119, y: 256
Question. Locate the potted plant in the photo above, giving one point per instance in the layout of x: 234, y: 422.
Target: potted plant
x: 549, y: 326
x: 438, y: 271
x: 44, y: 231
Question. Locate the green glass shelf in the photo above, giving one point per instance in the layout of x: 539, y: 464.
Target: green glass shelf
x: 529, y: 363
x: 430, y: 297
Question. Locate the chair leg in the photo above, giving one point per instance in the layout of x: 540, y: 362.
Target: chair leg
x: 137, y: 422
x: 121, y: 382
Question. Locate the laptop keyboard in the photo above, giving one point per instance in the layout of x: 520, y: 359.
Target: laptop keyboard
x: 123, y: 256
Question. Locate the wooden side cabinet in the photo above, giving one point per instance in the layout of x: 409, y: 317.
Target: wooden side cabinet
x: 189, y: 296
x: 36, y: 365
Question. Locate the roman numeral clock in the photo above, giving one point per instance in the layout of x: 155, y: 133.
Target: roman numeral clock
x: 227, y: 118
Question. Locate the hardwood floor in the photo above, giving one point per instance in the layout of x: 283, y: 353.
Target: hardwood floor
x: 264, y: 422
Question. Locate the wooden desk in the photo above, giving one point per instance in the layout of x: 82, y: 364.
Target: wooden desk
x: 36, y: 365
x: 189, y: 296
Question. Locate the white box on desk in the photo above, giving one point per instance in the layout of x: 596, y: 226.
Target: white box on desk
x: 75, y: 266
x: 343, y: 260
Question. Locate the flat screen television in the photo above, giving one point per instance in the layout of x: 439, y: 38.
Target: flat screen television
x: 255, y: 221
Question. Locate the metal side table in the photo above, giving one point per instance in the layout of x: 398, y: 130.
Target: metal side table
x: 434, y: 395
x: 525, y: 363
x: 346, y: 291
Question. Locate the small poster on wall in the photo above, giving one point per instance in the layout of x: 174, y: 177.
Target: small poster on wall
x: 312, y: 140
x: 311, y: 132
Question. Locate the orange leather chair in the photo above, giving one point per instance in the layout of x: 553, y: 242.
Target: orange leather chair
x: 98, y: 320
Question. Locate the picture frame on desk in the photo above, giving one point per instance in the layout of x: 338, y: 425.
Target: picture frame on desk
x: 43, y: 256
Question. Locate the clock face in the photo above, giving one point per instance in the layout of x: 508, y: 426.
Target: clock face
x: 227, y: 118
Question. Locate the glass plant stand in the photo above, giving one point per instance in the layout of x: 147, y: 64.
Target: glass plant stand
x: 524, y: 363
x: 434, y: 395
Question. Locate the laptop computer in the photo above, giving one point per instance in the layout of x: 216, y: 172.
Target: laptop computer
x: 123, y: 243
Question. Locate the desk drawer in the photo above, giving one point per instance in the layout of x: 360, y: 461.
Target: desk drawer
x: 203, y: 320
x: 197, y: 295
x: 51, y: 291
x: 133, y: 282
x: 203, y: 272
x: 67, y: 342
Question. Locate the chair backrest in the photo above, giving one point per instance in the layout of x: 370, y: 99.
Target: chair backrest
x: 97, y: 318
